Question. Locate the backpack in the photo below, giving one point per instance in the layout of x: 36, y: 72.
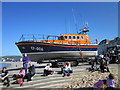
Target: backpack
x: 20, y: 80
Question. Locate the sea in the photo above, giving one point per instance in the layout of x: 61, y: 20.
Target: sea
x: 3, y: 65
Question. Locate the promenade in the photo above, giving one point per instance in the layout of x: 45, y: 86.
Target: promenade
x: 78, y: 79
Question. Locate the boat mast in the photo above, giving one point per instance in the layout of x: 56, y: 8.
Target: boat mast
x: 75, y: 20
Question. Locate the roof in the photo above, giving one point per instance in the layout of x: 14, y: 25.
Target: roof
x: 114, y: 46
x: 74, y: 35
x: 116, y: 39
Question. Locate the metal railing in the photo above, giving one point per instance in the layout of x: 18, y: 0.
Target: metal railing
x: 45, y: 38
x: 35, y: 37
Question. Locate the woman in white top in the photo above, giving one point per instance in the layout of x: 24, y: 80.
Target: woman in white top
x: 47, y: 70
x: 66, y: 70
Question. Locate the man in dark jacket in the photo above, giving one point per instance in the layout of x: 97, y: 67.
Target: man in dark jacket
x: 4, y: 76
x: 31, y: 72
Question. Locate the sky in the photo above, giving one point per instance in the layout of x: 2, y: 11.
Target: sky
x: 55, y: 18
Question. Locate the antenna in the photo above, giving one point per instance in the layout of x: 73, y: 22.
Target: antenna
x: 85, y: 29
x: 86, y: 25
x: 65, y: 26
x: 75, y: 20
x: 69, y: 27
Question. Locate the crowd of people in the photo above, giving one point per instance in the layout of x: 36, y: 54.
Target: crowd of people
x: 28, y: 71
x: 103, y: 64
x: 109, y: 82
x: 22, y: 75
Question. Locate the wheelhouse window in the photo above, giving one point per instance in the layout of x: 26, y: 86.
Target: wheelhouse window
x: 78, y: 37
x: 60, y: 38
x: 70, y: 37
x: 65, y: 37
x: 82, y: 37
x: 74, y: 37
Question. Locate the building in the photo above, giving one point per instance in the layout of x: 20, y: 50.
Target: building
x: 104, y: 44
x: 112, y: 47
x: 114, y: 42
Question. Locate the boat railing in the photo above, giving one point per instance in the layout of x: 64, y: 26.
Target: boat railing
x: 46, y: 38
x: 35, y: 37
x: 94, y: 41
x: 42, y: 38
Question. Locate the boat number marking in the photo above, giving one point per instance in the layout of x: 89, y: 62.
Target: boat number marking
x: 37, y: 48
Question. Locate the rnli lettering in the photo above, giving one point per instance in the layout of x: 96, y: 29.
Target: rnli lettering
x: 37, y: 48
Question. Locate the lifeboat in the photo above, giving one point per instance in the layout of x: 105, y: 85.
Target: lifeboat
x: 62, y: 46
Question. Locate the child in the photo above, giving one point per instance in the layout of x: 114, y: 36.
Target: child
x: 100, y: 84
x: 110, y: 80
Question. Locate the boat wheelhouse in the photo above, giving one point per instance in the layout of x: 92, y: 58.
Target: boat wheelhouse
x: 70, y: 39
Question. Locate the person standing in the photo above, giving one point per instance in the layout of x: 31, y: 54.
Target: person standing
x: 25, y: 62
x: 4, y: 76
